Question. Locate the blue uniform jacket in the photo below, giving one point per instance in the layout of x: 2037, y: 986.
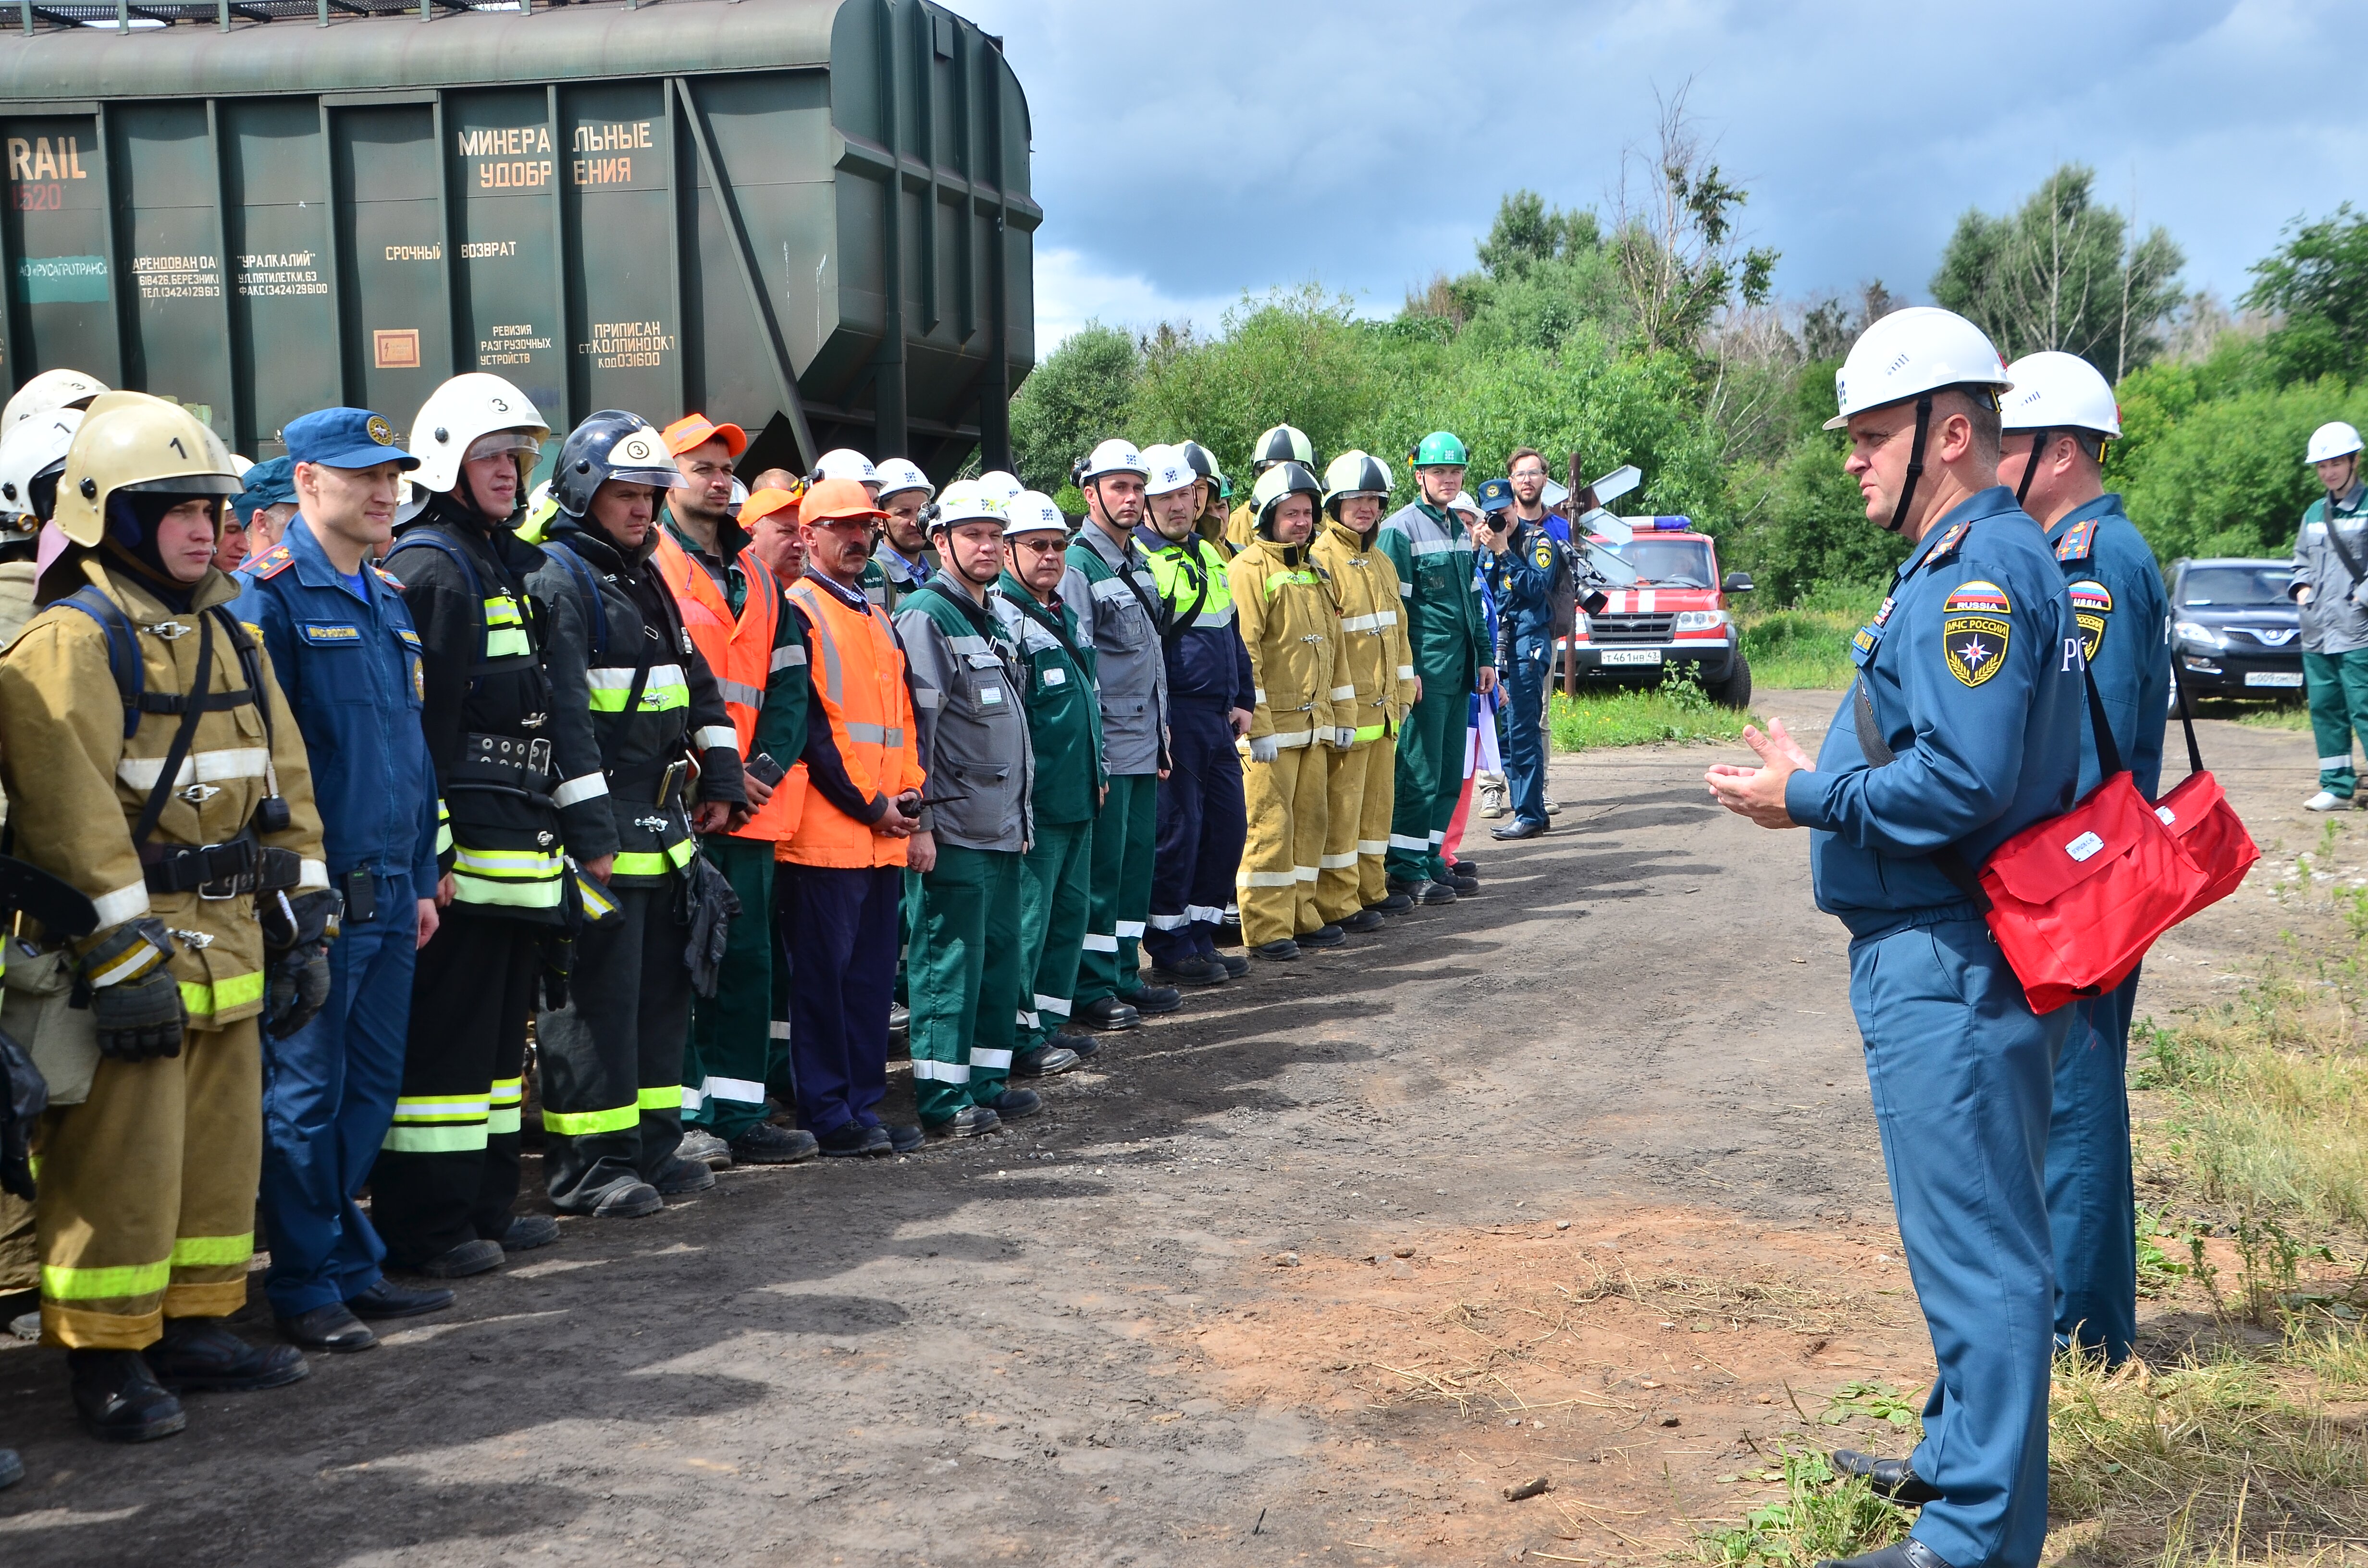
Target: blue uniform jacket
x: 2125, y: 619
x: 350, y: 668
x: 1521, y: 583
x: 1207, y: 659
x: 1974, y: 666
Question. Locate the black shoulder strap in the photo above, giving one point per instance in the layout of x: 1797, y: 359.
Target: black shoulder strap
x: 591, y: 586
x: 2342, y: 550
x: 1049, y: 623
x: 1155, y: 609
x: 430, y: 539
x: 1181, y: 621
x: 122, y: 649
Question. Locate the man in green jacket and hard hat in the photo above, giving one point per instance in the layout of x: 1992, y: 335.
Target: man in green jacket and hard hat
x: 1452, y: 659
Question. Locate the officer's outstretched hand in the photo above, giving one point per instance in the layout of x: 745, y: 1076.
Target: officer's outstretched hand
x: 1759, y: 793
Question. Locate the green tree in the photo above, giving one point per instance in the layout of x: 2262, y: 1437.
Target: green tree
x: 1297, y: 357
x: 1076, y: 397
x: 2060, y: 273
x: 2221, y: 475
x: 1528, y: 231
x: 2318, y: 281
x: 1680, y: 254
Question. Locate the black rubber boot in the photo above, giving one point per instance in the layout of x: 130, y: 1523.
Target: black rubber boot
x: 198, y: 1355
x: 120, y: 1400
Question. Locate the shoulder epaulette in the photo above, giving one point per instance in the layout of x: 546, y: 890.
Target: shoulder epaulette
x: 275, y: 560
x: 1948, y: 543
x: 2080, y: 541
x: 389, y: 578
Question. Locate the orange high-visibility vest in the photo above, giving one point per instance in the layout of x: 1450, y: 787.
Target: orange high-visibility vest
x: 739, y: 652
x: 858, y: 672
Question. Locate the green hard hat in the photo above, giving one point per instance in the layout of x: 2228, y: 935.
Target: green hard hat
x: 1442, y: 450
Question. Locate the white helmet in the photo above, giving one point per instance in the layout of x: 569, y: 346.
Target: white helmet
x: 51, y: 389
x: 32, y: 449
x: 2055, y: 391
x: 1031, y: 512
x: 845, y: 462
x: 2334, y: 440
x: 1170, y: 471
x: 1464, y: 503
x: 477, y: 415
x: 903, y: 473
x: 1001, y: 485
x: 1356, y: 472
x: 1113, y: 456
x: 1920, y: 349
x: 964, y: 501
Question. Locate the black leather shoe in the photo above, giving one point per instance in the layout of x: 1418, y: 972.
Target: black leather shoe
x: 468, y: 1257
x: 1108, y: 1013
x: 198, y: 1353
x: 527, y: 1232
x: 766, y: 1145
x: 1908, y: 1553
x: 1396, y: 903
x: 1153, y: 999
x: 1325, y: 935
x: 680, y: 1178
x: 854, y: 1141
x: 1364, y: 920
x: 1436, y: 893
x: 1280, y: 951
x: 388, y: 1300
x: 1085, y: 1045
x: 1891, y: 1480
x: 1518, y: 828
x: 1042, y: 1061
x: 971, y: 1121
x: 1460, y: 883
x: 1191, y: 972
x: 119, y: 1400
x: 904, y: 1139
x: 632, y: 1199
x: 333, y: 1328
x: 1236, y: 965
x: 1013, y: 1104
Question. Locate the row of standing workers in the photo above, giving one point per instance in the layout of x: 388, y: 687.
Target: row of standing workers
x: 693, y: 787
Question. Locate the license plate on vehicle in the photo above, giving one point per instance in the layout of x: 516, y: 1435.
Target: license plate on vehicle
x: 2272, y: 678
x: 1632, y: 655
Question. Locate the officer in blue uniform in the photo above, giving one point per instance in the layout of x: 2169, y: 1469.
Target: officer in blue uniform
x: 1523, y: 566
x: 2058, y: 420
x: 343, y: 645
x: 1963, y: 729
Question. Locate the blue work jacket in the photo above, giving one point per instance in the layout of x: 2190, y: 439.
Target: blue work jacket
x: 1521, y: 583
x: 1974, y: 667
x: 350, y: 666
x: 2124, y: 620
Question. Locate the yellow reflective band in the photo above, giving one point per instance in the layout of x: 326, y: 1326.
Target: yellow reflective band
x: 204, y: 1001
x: 213, y: 1251
x: 467, y: 888
x: 61, y: 1284
x: 668, y: 1098
x: 417, y: 1108
x: 508, y: 643
x: 460, y: 1140
x: 584, y: 1124
x: 503, y: 1121
x: 642, y: 864
x: 509, y: 865
x: 1371, y: 732
x: 1277, y: 579
x: 507, y: 1091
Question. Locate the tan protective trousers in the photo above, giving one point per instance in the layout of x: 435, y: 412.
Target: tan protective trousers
x: 1285, y: 797
x: 147, y: 1193
x: 1361, y: 795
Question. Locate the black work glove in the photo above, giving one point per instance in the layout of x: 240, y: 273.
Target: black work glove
x: 140, y: 1018
x: 298, y: 920
x: 299, y: 989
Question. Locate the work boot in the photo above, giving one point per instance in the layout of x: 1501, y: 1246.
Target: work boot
x: 2327, y: 801
x: 201, y: 1354
x: 967, y: 1123
x: 1151, y: 1000
x: 1042, y: 1061
x: 1461, y: 883
x: 1893, y: 1481
x: 1907, y: 1553
x: 1191, y: 972
x: 1282, y: 950
x: 631, y: 1200
x: 1010, y: 1105
x: 333, y: 1328
x: 1236, y: 965
x: 682, y: 1177
x: 1461, y: 867
x: 1395, y: 903
x: 766, y: 1145
x: 527, y: 1232
x: 853, y: 1140
x: 12, y: 1469
x: 900, y: 1018
x: 388, y: 1300
x: 904, y: 1139
x: 120, y: 1400
x: 1325, y: 935
x: 1435, y: 893
x: 1108, y: 1013
x: 1085, y: 1046
x: 468, y: 1257
x: 699, y: 1143
x: 1364, y: 920
x: 1520, y: 828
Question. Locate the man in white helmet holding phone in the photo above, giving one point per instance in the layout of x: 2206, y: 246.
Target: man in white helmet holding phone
x: 2330, y: 559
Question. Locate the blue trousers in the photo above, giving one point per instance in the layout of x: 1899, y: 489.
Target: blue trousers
x: 1202, y: 826
x: 2092, y: 1211
x: 842, y: 925
x: 1525, y: 741
x: 1961, y: 1072
x: 328, y: 1099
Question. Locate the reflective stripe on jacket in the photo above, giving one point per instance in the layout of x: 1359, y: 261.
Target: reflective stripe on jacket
x: 746, y: 654
x: 1432, y: 556
x: 862, y: 711
x: 1379, y: 662
x: 1295, y: 643
x: 1205, y: 658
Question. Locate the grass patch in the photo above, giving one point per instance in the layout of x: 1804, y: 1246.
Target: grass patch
x: 2284, y: 716
x: 1675, y: 710
x: 1806, y: 646
x: 1819, y: 1516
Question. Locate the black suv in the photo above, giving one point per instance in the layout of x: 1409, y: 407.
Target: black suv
x: 2236, y: 632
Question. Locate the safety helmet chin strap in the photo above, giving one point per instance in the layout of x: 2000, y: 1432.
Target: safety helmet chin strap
x: 1915, y: 463
x: 2038, y: 445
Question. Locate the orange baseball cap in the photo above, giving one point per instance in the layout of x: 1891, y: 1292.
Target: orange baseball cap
x: 838, y: 501
x: 763, y: 504
x: 697, y: 430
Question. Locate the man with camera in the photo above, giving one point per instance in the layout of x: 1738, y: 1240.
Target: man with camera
x: 1529, y: 576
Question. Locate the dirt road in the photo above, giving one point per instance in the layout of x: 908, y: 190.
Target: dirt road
x: 1576, y: 1179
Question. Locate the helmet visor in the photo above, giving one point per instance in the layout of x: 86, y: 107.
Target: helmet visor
x: 500, y: 441
x: 656, y: 478
x: 189, y: 484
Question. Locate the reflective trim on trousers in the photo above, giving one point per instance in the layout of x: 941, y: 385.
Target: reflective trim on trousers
x: 942, y: 1071
x: 584, y: 1124
x: 1097, y: 943
x: 666, y: 1099
x: 1059, y: 1005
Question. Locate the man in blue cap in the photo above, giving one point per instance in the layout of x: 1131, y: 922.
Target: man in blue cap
x: 266, y: 505
x: 343, y: 646
x: 1525, y: 572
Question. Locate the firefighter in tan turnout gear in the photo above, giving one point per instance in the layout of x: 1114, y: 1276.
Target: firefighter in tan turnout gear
x: 195, y: 837
x: 1377, y: 668
x: 1295, y: 643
